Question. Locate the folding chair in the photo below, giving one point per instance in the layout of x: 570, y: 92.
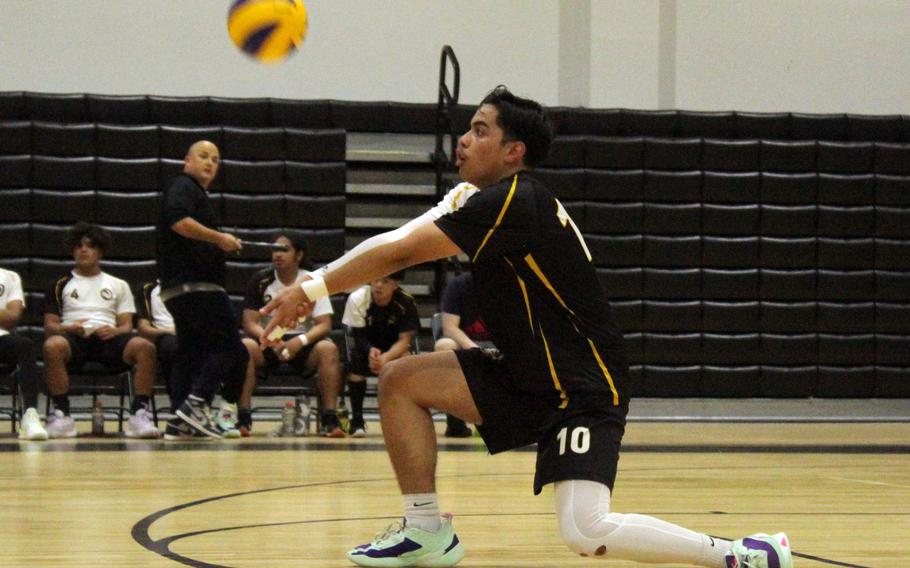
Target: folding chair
x: 9, y: 385
x: 97, y: 379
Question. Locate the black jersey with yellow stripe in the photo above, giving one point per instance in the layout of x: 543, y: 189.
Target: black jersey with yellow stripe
x: 538, y: 291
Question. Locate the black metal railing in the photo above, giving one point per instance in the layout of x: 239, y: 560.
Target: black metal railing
x: 445, y: 117
x: 445, y: 125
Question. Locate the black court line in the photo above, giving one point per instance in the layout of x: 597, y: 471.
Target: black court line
x: 140, y: 531
x: 138, y: 446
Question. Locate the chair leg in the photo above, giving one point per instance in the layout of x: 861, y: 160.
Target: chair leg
x: 123, y: 387
x: 154, y: 409
x: 16, y: 412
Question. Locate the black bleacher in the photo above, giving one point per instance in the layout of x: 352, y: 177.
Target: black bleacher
x: 104, y: 159
x: 747, y: 254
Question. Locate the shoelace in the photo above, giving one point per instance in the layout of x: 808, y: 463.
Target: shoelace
x: 751, y: 560
x: 393, y: 528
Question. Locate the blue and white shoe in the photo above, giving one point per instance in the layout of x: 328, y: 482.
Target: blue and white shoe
x: 760, y: 551
x: 196, y: 413
x: 401, y: 545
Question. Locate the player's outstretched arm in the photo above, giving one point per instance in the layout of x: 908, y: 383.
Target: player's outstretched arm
x: 381, y: 256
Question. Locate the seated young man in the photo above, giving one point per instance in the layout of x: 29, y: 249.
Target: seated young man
x: 88, y: 316
x: 304, y: 348
x: 19, y: 350
x: 462, y: 328
x: 381, y: 320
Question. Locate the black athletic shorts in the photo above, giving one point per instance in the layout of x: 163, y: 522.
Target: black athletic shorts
x: 359, y: 357
x: 93, y: 348
x: 575, y: 443
x: 298, y: 362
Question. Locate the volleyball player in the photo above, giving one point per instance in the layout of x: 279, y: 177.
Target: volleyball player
x: 88, y: 316
x: 561, y: 381
x: 18, y: 350
x: 306, y: 346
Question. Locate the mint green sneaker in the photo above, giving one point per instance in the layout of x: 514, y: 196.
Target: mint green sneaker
x: 400, y: 545
x: 226, y: 420
x: 760, y: 551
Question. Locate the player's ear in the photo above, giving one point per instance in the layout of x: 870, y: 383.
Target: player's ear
x: 515, y: 152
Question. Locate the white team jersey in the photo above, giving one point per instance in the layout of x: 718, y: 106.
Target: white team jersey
x: 322, y: 307
x: 355, y: 309
x: 161, y: 318
x: 97, y: 299
x: 10, y: 291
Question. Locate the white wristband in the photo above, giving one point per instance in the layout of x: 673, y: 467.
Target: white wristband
x: 304, y: 340
x: 315, y: 288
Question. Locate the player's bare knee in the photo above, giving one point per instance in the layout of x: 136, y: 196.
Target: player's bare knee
x: 145, y: 349
x: 327, y: 349
x: 54, y: 348
x: 445, y: 344
x: 250, y: 344
x: 391, y: 377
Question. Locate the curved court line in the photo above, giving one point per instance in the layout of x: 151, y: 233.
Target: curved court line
x: 140, y: 531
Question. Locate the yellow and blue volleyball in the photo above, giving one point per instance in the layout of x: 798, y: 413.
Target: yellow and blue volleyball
x: 267, y: 30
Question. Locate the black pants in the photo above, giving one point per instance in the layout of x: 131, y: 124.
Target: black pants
x: 166, y: 346
x: 209, y: 350
x: 19, y: 350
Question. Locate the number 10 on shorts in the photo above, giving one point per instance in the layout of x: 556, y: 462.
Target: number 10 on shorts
x: 579, y: 443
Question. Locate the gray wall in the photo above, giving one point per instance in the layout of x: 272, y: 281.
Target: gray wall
x: 799, y: 55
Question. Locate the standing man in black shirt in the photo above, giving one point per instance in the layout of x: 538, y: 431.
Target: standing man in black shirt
x: 560, y: 380
x: 191, y: 268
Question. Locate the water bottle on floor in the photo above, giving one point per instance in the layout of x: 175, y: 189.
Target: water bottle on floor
x: 302, y: 421
x: 97, y: 419
x: 288, y: 417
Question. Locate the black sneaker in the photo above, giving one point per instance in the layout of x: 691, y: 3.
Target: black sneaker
x: 177, y: 430
x: 456, y: 428
x: 195, y: 413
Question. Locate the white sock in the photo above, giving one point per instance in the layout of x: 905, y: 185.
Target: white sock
x: 421, y: 511
x: 590, y: 529
x: 713, y: 552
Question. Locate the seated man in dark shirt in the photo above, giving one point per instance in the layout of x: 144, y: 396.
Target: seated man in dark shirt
x: 462, y: 328
x: 380, y: 322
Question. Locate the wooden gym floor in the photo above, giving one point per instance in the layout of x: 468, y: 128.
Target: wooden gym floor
x: 840, y: 490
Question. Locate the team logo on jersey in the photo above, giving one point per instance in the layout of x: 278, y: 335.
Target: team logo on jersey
x: 267, y: 298
x: 107, y: 294
x: 2, y: 289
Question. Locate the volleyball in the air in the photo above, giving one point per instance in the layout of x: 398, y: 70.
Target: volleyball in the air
x: 267, y: 30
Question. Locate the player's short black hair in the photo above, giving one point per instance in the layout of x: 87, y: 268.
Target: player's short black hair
x: 299, y: 243
x: 522, y: 120
x: 399, y: 276
x: 99, y: 237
